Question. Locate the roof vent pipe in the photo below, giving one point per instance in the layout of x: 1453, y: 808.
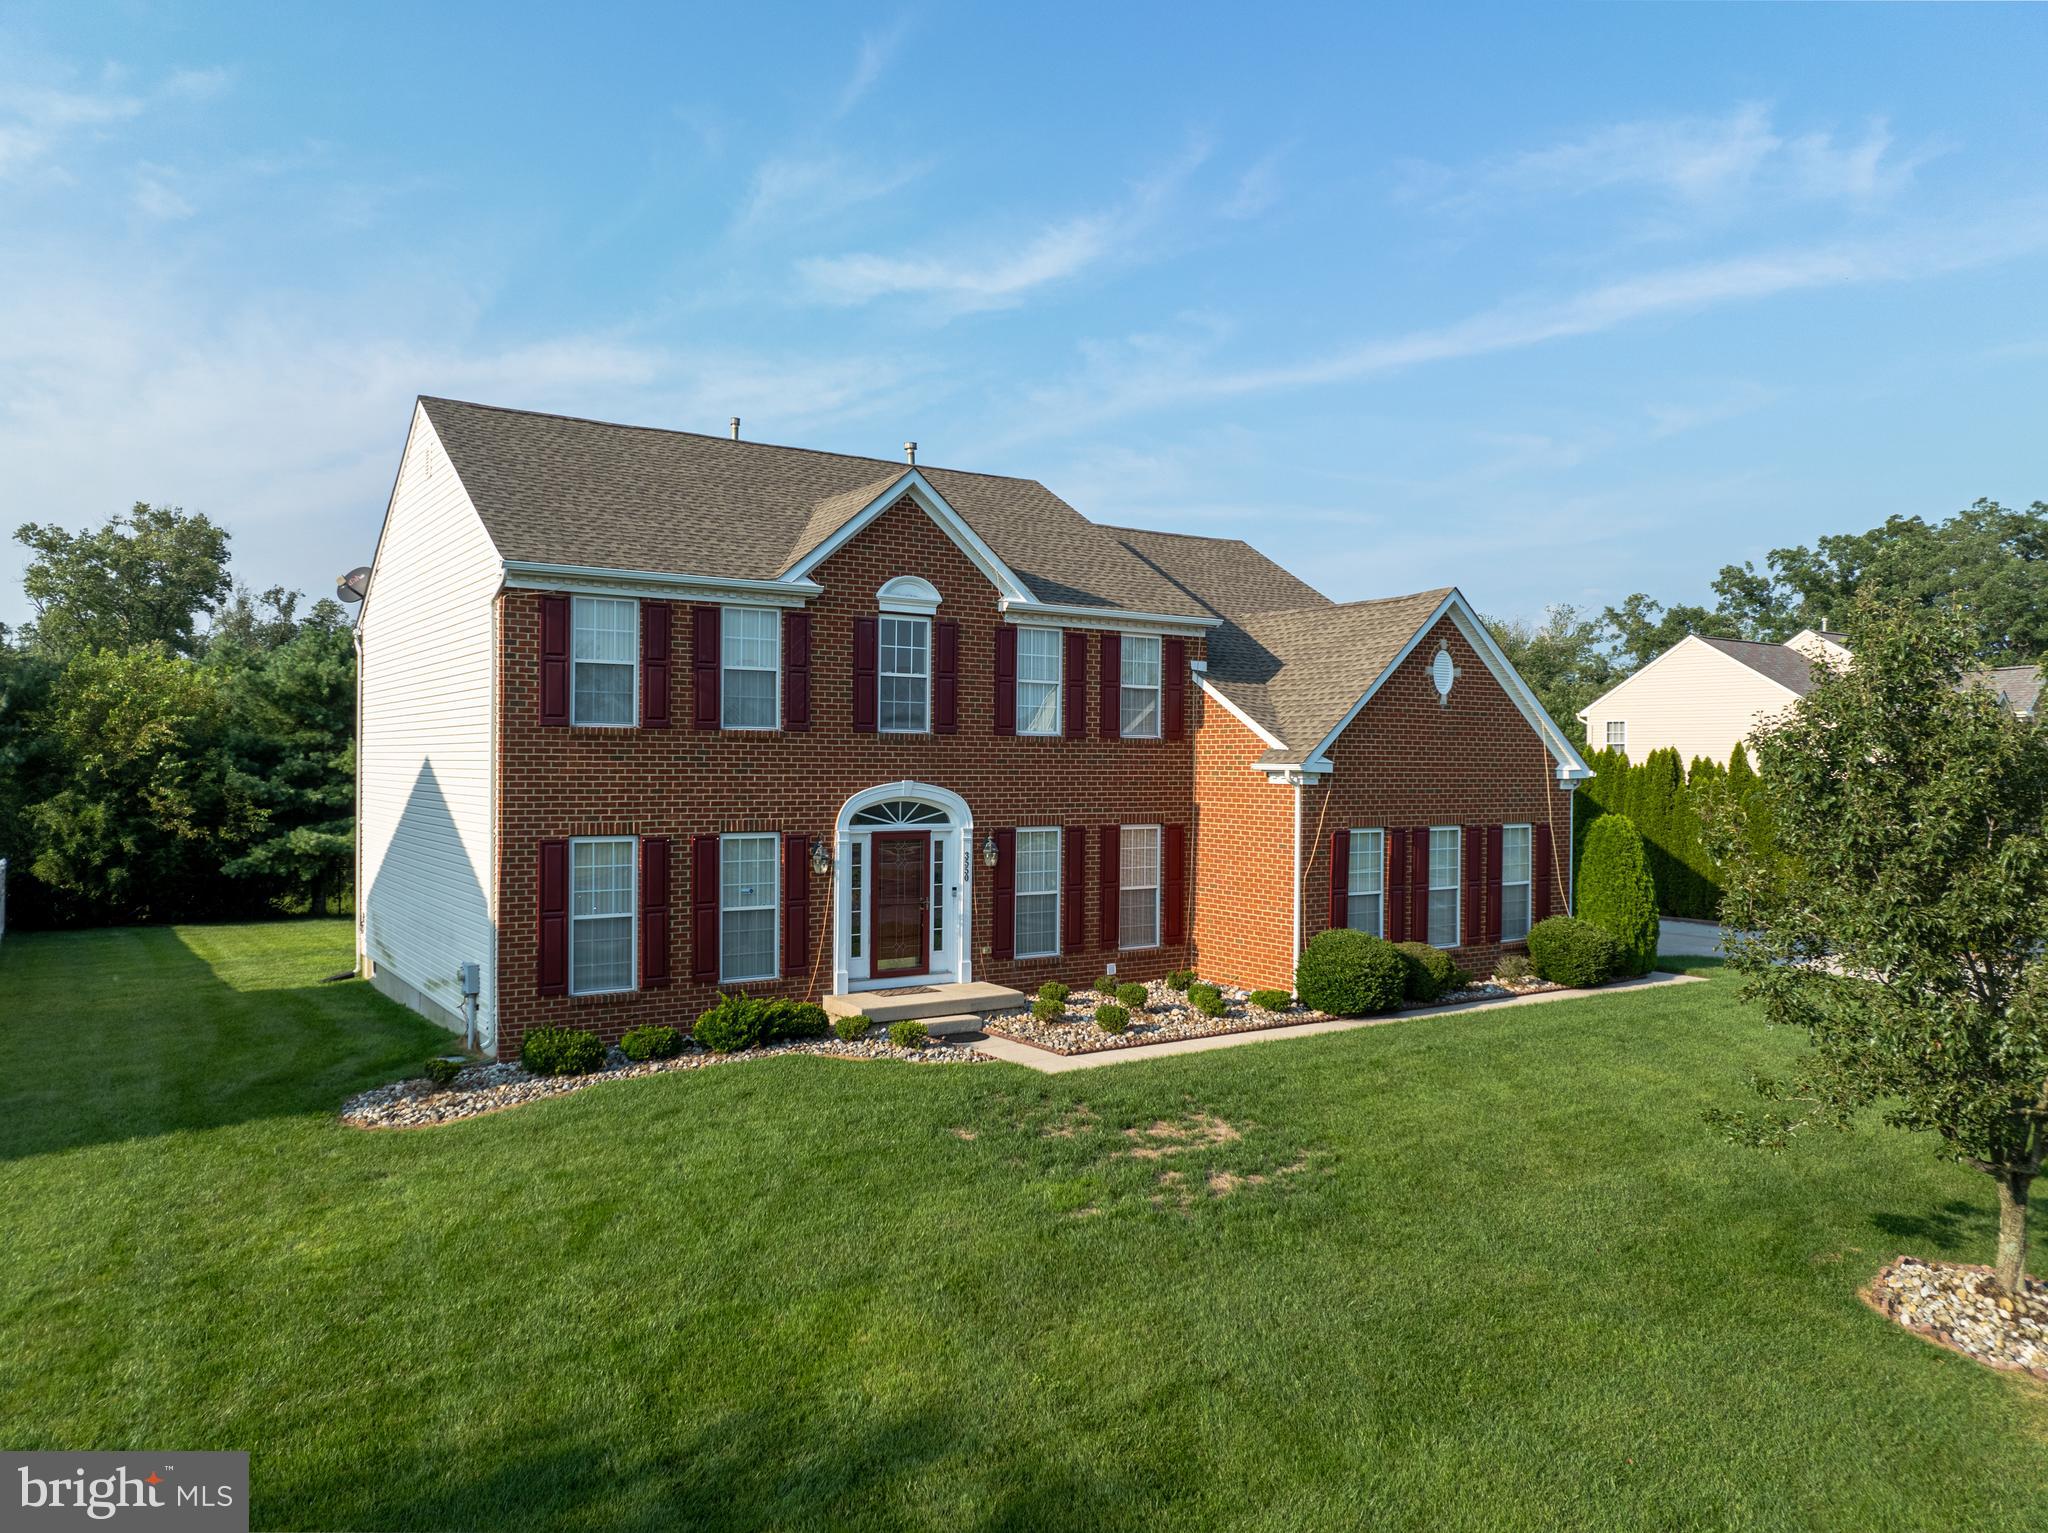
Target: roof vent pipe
x: 735, y: 428
x: 910, y: 452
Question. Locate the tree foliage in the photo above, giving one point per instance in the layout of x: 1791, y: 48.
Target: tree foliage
x: 1911, y: 944
x: 146, y: 577
x: 1616, y: 893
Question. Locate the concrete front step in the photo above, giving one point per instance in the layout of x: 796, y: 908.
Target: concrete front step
x: 945, y: 1002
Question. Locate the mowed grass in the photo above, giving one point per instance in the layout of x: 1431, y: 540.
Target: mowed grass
x: 1497, y: 1275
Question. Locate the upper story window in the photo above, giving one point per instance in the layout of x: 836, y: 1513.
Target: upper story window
x: 1364, y: 891
x: 904, y: 675
x: 605, y: 660
x: 1445, y: 845
x: 600, y: 914
x: 1141, y: 686
x: 1038, y: 680
x: 1617, y: 734
x: 751, y: 664
x: 1515, y: 864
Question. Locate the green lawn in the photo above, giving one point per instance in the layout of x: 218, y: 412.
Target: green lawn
x: 1499, y: 1276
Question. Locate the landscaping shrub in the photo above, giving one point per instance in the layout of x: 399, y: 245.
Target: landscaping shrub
x: 1347, y: 973
x: 1430, y: 971
x: 783, y: 1019
x: 1112, y: 1018
x: 736, y: 1022
x: 1052, y: 990
x: 1180, y: 979
x: 909, y: 1035
x: 1618, y: 894
x: 1271, y: 1000
x: 1206, y: 999
x: 442, y: 1071
x: 1046, y: 1009
x: 1105, y: 984
x: 1513, y: 969
x: 1133, y: 995
x: 561, y: 1051
x: 644, y: 1043
x: 1568, y: 951
x: 852, y: 1028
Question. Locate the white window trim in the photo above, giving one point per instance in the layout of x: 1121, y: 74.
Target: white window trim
x: 1158, y: 892
x: 1502, y: 885
x: 1158, y: 690
x: 1351, y: 872
x: 774, y: 908
x: 930, y: 665
x: 575, y: 722
x: 1059, y: 864
x: 1059, y: 685
x: 1456, y: 886
x: 1612, y: 743
x: 631, y: 914
x: 724, y: 691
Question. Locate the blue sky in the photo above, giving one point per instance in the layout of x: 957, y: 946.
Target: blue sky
x: 1552, y: 305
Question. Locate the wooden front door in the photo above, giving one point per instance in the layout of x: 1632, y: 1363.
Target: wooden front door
x: 899, y: 902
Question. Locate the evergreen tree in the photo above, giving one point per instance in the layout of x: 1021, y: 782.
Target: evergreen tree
x: 1652, y: 805
x: 1616, y: 893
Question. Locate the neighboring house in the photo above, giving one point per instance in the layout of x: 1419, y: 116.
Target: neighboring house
x: 648, y: 715
x: 1702, y: 696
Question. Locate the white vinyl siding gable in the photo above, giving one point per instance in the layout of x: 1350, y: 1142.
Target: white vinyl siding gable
x: 1694, y: 698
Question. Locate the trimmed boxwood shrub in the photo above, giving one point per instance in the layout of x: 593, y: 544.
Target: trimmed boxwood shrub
x: 909, y: 1035
x: 1133, y: 995
x: 1180, y: 979
x: 1430, y: 971
x: 784, y: 1019
x: 1568, y: 951
x: 1112, y: 1018
x: 1347, y: 973
x: 441, y: 1071
x: 1271, y: 1000
x: 851, y: 1028
x: 1617, y: 893
x: 1046, y: 1009
x: 736, y: 1022
x: 1105, y: 984
x: 1052, y: 990
x: 658, y: 1042
x: 1513, y: 968
x: 1206, y: 999
x: 561, y: 1051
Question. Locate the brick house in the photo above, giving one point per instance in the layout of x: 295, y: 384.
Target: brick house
x: 646, y: 715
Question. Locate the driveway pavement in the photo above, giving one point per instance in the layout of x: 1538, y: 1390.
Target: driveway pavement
x: 1690, y: 939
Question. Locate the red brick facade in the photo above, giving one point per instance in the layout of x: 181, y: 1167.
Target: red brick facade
x: 1244, y: 913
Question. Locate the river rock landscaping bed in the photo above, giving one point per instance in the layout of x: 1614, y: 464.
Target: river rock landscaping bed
x: 1956, y: 1307
x: 1167, y: 1017
x: 483, y: 1088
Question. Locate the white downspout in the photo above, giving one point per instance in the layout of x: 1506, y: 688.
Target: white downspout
x: 1294, y: 958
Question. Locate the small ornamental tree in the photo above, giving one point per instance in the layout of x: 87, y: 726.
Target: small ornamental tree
x: 1616, y: 893
x: 1911, y: 938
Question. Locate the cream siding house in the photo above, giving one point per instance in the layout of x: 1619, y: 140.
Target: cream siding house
x: 1701, y: 696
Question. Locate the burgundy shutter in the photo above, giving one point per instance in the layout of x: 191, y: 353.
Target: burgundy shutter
x: 796, y: 670
x: 1418, y: 883
x: 554, y: 660
x: 1469, y: 931
x: 1495, y: 867
x: 1541, y: 873
x: 654, y: 647
x: 1108, y: 884
x: 1074, y: 889
x: 1005, y: 929
x: 796, y: 902
x: 554, y: 917
x: 946, y: 678
x: 866, y: 636
x: 704, y: 664
x: 1110, y: 725
x: 1394, y: 903
x: 1074, y: 677
x: 1006, y: 680
x: 1173, y: 884
x: 1340, y: 879
x: 653, y: 912
x: 704, y: 907
x: 1175, y: 660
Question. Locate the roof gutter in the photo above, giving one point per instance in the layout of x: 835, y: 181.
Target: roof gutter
x: 529, y: 575
x: 1099, y: 617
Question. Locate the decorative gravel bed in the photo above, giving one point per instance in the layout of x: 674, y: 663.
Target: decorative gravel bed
x: 493, y: 1087
x: 1167, y: 1017
x: 1956, y: 1307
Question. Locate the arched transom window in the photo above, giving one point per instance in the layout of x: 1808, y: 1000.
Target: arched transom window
x: 899, y: 811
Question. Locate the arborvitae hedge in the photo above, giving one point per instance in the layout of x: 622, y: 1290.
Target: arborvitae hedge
x: 1667, y: 804
x: 1616, y: 893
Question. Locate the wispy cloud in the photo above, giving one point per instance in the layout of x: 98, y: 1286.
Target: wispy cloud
x: 37, y: 120
x: 1257, y: 189
x: 877, y: 51
x: 795, y: 191
x: 155, y: 194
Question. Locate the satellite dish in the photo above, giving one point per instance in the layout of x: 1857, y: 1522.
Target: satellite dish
x: 354, y: 586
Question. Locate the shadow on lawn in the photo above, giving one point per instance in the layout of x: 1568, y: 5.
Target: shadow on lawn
x: 1955, y: 1226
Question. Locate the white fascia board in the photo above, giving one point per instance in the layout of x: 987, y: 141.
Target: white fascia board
x: 1112, y: 619
x: 934, y: 505
x: 595, y: 580
x: 1210, y: 689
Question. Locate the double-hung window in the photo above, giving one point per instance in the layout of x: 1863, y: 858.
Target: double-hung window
x: 1038, y: 681
x: 746, y: 907
x: 604, y: 660
x: 1445, y: 846
x: 1617, y: 734
x: 1140, y: 686
x: 600, y: 914
x: 1038, y: 893
x: 904, y: 675
x: 750, y: 663
x: 1138, y: 886
x: 1515, y: 864
x: 1365, y: 907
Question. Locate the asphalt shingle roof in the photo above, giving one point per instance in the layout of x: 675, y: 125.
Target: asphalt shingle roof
x: 1786, y: 666
x: 1227, y: 576
x: 2018, y: 687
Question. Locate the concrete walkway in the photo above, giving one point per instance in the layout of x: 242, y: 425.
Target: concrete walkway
x: 1015, y: 1053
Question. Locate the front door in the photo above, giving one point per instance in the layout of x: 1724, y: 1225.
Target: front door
x: 899, y: 910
